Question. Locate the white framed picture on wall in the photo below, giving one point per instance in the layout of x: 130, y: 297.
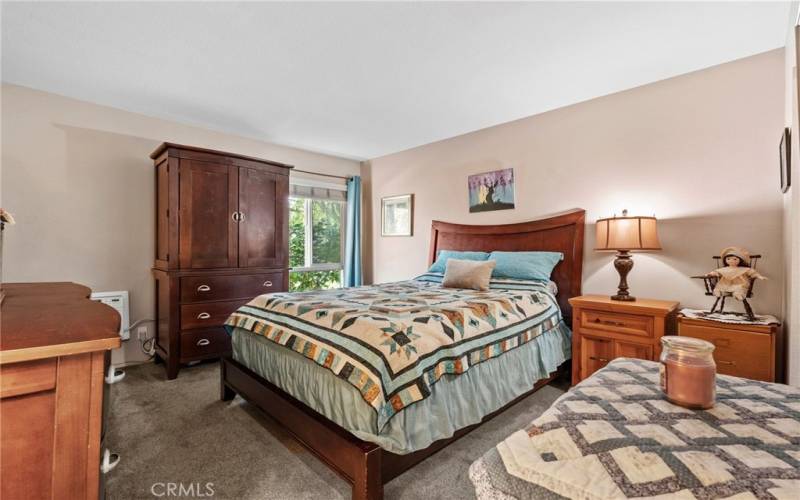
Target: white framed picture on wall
x: 397, y: 215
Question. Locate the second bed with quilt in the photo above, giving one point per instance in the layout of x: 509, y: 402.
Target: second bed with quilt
x: 615, y: 435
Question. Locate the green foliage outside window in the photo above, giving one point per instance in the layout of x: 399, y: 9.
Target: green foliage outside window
x: 326, y: 237
x: 326, y: 217
x: 297, y: 232
x: 301, y: 281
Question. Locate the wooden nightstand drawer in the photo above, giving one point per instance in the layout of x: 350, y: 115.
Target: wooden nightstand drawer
x: 604, y: 329
x: 627, y: 324
x: 595, y: 353
x: 737, y: 352
x: 623, y: 349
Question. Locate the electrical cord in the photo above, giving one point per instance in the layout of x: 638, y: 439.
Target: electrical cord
x: 137, y: 323
x: 115, y: 375
x: 148, y: 345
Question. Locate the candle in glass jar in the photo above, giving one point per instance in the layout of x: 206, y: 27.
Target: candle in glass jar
x: 688, y: 372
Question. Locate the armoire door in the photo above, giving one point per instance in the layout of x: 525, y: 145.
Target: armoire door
x: 263, y: 199
x: 208, y: 206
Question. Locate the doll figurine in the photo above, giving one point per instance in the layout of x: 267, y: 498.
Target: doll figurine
x: 734, y: 279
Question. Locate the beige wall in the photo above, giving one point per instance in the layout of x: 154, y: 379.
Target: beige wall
x: 698, y: 151
x: 791, y: 208
x: 79, y: 181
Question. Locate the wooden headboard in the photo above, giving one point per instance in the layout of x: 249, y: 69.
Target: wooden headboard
x: 561, y: 232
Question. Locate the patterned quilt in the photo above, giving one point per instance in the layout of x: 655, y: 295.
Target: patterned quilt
x: 615, y: 436
x: 394, y: 341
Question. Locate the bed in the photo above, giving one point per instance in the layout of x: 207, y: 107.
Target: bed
x: 375, y: 379
x: 615, y: 436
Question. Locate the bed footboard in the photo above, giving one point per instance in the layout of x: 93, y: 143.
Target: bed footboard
x: 356, y: 461
x: 366, y: 466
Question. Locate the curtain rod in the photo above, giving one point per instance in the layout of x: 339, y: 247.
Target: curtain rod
x: 323, y: 175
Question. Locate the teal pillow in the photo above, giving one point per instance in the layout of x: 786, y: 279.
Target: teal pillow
x: 525, y: 265
x: 441, y: 260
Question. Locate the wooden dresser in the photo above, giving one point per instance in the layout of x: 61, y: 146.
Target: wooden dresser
x: 222, y: 233
x: 52, y: 355
x: 749, y: 351
x: 605, y: 329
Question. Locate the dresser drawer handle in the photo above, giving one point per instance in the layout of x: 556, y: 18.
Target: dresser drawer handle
x: 268, y: 283
x: 203, y: 316
x: 595, y: 358
x: 203, y: 342
x: 731, y: 363
x: 609, y: 322
x: 203, y: 288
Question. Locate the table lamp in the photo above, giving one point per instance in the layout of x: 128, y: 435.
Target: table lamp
x: 624, y: 234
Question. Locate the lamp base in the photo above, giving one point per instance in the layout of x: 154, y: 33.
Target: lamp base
x: 623, y: 263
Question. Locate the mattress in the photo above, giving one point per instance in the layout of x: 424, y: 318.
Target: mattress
x: 614, y: 435
x: 502, y: 342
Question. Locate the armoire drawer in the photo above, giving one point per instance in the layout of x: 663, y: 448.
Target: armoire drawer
x: 207, y: 314
x: 231, y: 286
x: 207, y: 342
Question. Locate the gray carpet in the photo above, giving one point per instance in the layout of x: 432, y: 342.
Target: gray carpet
x: 179, y: 431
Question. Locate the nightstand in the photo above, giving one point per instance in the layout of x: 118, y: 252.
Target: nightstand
x: 604, y: 329
x: 748, y: 351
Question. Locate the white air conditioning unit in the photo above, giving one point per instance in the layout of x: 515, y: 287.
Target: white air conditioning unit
x: 119, y: 301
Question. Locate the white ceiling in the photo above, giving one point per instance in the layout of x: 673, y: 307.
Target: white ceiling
x: 363, y: 80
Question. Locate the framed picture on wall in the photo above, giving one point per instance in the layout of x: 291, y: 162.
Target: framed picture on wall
x: 785, y: 154
x: 491, y: 191
x: 397, y: 215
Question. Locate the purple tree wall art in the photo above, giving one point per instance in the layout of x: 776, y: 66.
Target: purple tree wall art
x: 491, y: 191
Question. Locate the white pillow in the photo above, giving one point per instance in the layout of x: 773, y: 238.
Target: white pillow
x: 468, y: 274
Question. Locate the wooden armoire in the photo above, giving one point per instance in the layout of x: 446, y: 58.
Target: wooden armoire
x: 222, y: 233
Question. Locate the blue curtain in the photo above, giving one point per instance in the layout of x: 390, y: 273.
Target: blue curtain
x: 352, y: 244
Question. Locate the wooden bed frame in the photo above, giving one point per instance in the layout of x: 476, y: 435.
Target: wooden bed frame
x: 366, y: 465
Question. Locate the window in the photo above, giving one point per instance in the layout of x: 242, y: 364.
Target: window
x: 316, y: 243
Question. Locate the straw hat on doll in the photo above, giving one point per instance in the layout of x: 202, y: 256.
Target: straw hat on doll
x: 740, y: 252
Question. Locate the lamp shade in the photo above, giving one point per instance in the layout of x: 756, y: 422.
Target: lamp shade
x: 627, y: 233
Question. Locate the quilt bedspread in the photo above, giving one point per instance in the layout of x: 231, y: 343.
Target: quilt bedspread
x: 394, y: 341
x: 615, y: 436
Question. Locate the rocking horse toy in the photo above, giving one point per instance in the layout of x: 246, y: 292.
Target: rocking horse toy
x: 734, y: 277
